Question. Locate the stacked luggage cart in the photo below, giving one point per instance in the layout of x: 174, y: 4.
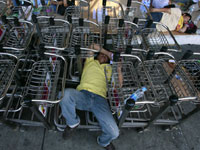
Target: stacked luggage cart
x: 20, y: 10
x: 3, y: 7
x: 47, y: 55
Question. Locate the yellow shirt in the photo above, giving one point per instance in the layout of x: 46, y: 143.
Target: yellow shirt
x: 180, y: 24
x: 93, y: 77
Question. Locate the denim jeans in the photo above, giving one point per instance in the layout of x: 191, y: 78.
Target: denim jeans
x: 156, y: 16
x: 88, y: 101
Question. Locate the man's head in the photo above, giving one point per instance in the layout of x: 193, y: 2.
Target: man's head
x: 102, y: 58
x: 186, y: 17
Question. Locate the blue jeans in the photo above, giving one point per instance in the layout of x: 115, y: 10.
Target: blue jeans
x: 88, y: 101
x: 156, y: 16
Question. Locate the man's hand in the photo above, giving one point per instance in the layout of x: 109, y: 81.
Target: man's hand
x: 102, y: 50
x: 65, y: 3
x: 95, y: 46
x: 184, y: 28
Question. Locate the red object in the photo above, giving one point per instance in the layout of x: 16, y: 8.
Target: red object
x: 116, y: 97
x: 46, y: 92
x: 1, y: 32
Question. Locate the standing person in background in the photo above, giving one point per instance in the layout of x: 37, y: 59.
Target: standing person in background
x: 161, y: 4
x: 61, y: 5
x: 155, y: 4
x: 146, y: 3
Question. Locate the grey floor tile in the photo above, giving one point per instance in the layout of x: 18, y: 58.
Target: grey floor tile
x: 20, y: 139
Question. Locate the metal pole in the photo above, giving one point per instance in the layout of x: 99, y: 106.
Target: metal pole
x: 128, y: 106
x: 172, y: 101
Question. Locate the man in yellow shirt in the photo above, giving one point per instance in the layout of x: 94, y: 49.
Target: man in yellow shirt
x: 91, y: 96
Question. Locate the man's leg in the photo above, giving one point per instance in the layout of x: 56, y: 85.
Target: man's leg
x: 73, y: 99
x: 109, y: 128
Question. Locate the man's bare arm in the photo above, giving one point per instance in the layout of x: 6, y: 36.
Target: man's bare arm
x: 102, y: 50
x: 183, y: 29
x: 165, y: 10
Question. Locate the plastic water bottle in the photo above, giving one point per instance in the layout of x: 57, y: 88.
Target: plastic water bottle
x: 94, y: 14
x: 137, y: 94
x: 195, y: 1
x: 99, y: 15
x: 198, y: 31
x: 197, y: 20
x: 194, y: 7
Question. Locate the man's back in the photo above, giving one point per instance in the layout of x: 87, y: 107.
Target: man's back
x: 93, y: 77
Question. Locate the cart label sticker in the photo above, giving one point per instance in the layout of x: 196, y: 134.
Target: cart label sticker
x: 2, y: 32
x: 94, y: 14
x: 47, y: 86
x: 43, y: 110
x: 86, y: 30
x: 178, y: 77
x: 119, y: 113
x: 55, y: 41
x: 16, y: 34
x: 52, y: 60
x: 48, y: 81
x: 172, y: 61
x: 99, y: 14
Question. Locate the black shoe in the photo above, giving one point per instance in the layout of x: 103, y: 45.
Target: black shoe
x: 68, y: 132
x: 110, y: 147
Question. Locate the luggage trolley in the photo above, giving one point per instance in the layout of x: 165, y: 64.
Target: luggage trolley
x: 84, y: 35
x: 107, y: 17
x: 125, y: 38
x: 156, y: 105
x: 191, y: 69
x: 8, y: 64
x: 21, y: 11
x: 172, y: 85
x: 8, y: 69
x: 137, y: 13
x: 154, y: 40
x: 119, y: 92
x: 40, y: 93
x: 81, y: 9
x: 3, y: 7
x: 18, y: 37
x: 53, y: 34
x: 139, y: 115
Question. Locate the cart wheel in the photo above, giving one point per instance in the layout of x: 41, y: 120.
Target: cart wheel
x: 140, y: 130
x: 169, y: 127
x: 60, y: 129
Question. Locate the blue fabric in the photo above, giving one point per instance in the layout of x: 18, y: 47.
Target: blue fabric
x: 88, y: 101
x: 156, y: 16
x: 14, y: 2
